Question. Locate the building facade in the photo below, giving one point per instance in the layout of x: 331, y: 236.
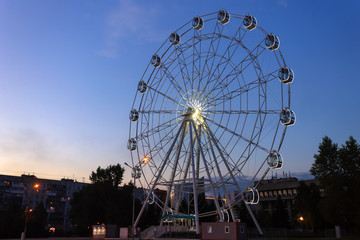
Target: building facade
x: 270, y: 190
x: 30, y: 191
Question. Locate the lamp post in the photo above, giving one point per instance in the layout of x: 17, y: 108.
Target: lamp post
x: 301, y: 220
x: 36, y: 187
x: 135, y: 174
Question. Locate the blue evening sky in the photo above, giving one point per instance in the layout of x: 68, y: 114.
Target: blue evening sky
x: 69, y: 71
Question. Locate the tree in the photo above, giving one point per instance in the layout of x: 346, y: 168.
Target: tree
x: 280, y: 214
x: 112, y: 175
x: 12, y: 219
x: 307, y: 203
x: 327, y: 162
x: 338, y: 172
x: 37, y: 222
x: 101, y: 201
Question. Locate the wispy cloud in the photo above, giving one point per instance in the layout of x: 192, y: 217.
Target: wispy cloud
x: 283, y: 3
x: 27, y: 144
x: 129, y: 22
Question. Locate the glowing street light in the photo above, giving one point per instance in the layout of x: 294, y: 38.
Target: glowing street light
x: 36, y: 185
x: 301, y: 219
x: 145, y: 160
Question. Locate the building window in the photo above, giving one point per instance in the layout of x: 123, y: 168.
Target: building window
x: 279, y: 193
x: 266, y: 194
x: 227, y: 229
x: 261, y: 194
x: 209, y: 229
x: 270, y: 193
x: 284, y: 192
x: 289, y: 192
x: 275, y: 194
x: 294, y: 191
x: 242, y: 229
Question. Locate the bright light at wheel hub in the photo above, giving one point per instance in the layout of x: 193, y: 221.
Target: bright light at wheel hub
x: 195, y: 114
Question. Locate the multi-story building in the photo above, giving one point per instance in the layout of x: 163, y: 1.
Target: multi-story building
x: 284, y: 188
x: 54, y: 195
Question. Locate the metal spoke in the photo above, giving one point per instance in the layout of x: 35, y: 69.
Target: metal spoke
x: 208, y: 112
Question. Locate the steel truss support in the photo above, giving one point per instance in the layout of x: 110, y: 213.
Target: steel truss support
x: 221, y: 177
x: 197, y: 223
x: 182, y: 128
x: 209, y: 176
x: 173, y: 173
x: 233, y: 178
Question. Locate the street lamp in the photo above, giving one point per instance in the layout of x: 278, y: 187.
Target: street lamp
x: 27, y: 210
x: 301, y: 220
x: 135, y: 174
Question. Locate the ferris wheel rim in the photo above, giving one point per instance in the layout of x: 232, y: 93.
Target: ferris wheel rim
x: 146, y: 129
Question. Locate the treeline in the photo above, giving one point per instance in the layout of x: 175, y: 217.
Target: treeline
x: 12, y: 221
x: 338, y: 170
x: 104, y: 202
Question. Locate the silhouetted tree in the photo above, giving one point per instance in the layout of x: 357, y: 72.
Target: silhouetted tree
x: 280, y: 214
x: 338, y: 171
x: 102, y: 201
x: 113, y: 175
x: 307, y: 204
x: 12, y: 220
x: 37, y: 222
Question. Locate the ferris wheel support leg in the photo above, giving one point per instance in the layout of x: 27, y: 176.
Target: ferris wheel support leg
x: 173, y: 174
x: 221, y: 178
x: 198, y: 154
x: 158, y: 176
x: 177, y: 206
x: 209, y: 176
x: 197, y: 222
x: 233, y: 178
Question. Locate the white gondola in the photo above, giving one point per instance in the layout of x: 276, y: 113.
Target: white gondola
x: 272, y: 42
x: 155, y: 60
x: 134, y: 115
x: 132, y: 144
x: 223, y: 16
x: 142, y: 86
x: 174, y: 38
x: 249, y: 22
x: 286, y: 75
x: 136, y: 172
x: 251, y: 196
x: 198, y: 23
x: 274, y: 160
x: 287, y: 117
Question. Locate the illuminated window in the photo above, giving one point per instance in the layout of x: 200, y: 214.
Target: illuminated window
x: 270, y: 193
x: 284, y: 192
x: 266, y: 194
x: 209, y: 229
x: 261, y: 194
x: 279, y: 193
x: 294, y: 191
x: 289, y: 192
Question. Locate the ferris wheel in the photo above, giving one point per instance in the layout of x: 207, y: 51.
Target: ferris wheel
x: 210, y: 114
